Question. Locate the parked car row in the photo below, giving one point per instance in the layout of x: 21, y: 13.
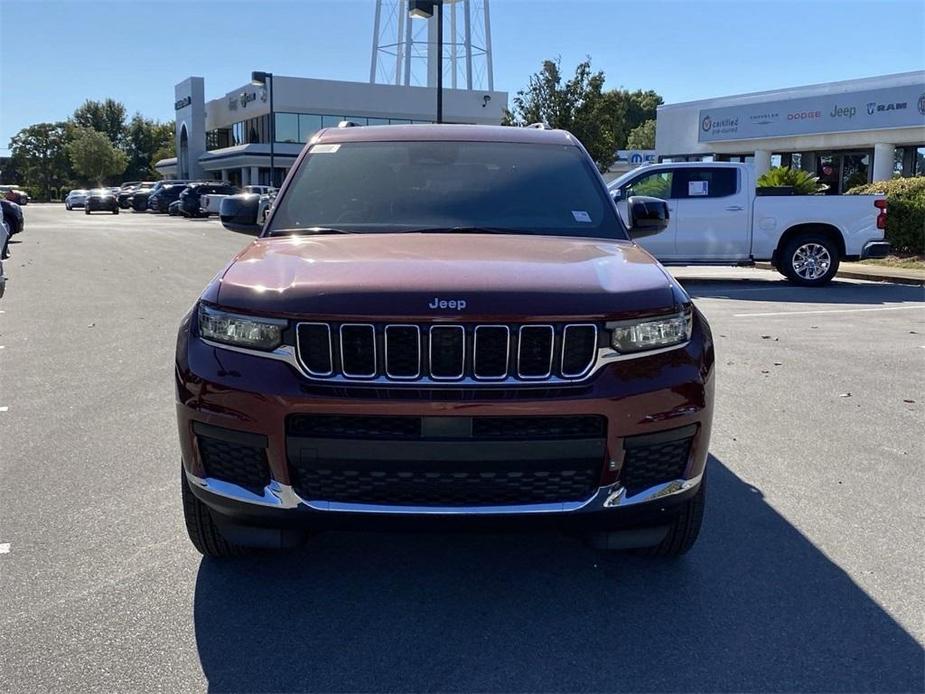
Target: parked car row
x: 173, y: 197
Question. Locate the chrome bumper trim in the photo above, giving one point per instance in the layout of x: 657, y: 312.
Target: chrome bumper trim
x: 283, y: 496
x: 876, y: 249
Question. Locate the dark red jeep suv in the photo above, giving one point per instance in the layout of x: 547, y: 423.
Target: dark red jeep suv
x: 445, y: 327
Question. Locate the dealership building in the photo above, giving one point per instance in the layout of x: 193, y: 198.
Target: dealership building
x: 847, y: 133
x: 228, y: 138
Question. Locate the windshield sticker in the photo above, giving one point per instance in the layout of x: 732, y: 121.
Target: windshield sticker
x: 581, y: 216
x: 325, y: 149
x: 698, y: 188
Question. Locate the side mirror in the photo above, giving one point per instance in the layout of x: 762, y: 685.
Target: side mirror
x: 239, y: 213
x: 647, y: 216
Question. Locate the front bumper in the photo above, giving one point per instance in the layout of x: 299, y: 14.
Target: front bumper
x: 875, y: 249
x: 251, y: 397
x: 102, y: 204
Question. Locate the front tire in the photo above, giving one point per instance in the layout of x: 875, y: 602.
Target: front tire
x: 116, y: 211
x: 67, y: 206
x: 202, y: 529
x: 684, y: 529
x: 810, y: 260
x: 86, y: 210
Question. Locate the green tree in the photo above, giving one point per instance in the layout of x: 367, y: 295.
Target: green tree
x: 107, y: 116
x: 39, y: 154
x: 642, y: 136
x: 94, y: 156
x: 601, y: 120
x: 145, y: 140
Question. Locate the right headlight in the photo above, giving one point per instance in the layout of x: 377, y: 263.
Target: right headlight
x: 239, y: 330
x: 651, y: 333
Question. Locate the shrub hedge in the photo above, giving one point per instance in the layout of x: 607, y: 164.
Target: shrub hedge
x: 905, y: 219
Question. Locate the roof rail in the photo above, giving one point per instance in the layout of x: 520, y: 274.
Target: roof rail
x: 539, y: 126
x: 348, y: 124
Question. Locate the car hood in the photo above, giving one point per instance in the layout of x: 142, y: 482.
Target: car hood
x: 408, y: 275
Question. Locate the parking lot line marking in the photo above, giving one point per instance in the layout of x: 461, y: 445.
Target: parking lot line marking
x: 833, y: 310
x: 4, y: 547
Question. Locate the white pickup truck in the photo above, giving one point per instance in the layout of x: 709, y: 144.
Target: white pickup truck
x: 211, y: 203
x: 716, y: 218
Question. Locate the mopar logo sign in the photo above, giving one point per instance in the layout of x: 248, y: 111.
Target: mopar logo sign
x: 182, y: 103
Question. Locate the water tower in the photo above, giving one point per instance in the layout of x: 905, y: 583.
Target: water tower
x: 405, y: 49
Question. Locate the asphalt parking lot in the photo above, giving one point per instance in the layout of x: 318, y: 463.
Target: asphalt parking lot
x: 808, y: 575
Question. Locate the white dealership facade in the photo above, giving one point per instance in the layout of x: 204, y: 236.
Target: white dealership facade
x: 228, y: 138
x: 847, y: 132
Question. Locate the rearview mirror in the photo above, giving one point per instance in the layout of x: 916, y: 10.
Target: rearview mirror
x: 239, y: 213
x: 647, y: 216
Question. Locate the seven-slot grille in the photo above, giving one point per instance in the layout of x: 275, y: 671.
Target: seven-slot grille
x: 447, y: 352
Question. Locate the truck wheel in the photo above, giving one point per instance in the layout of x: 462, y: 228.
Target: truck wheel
x: 684, y: 529
x: 810, y: 260
x: 202, y: 529
x: 86, y: 210
x: 115, y: 210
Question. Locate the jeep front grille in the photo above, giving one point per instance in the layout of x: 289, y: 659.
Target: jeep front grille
x: 446, y: 353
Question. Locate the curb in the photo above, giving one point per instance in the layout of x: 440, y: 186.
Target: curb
x: 872, y: 276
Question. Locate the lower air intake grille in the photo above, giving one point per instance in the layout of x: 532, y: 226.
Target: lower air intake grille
x: 234, y: 462
x: 650, y: 460
x: 460, y: 486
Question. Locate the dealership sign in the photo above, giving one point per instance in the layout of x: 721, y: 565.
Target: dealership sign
x: 891, y: 107
x: 246, y: 97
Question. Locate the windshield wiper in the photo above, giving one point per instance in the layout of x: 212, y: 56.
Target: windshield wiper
x: 467, y: 229
x: 309, y: 230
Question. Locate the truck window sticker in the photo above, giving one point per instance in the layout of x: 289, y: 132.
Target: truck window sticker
x: 698, y: 188
x: 325, y: 149
x: 581, y: 216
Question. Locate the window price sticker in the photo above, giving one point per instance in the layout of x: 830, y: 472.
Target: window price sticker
x: 698, y: 188
x: 581, y: 216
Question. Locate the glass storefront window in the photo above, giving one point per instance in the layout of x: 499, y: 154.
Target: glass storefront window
x: 359, y: 120
x: 377, y: 121
x: 331, y: 121
x: 309, y: 124
x: 287, y: 127
x: 399, y: 121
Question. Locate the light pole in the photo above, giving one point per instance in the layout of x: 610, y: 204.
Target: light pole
x: 425, y: 9
x: 265, y: 79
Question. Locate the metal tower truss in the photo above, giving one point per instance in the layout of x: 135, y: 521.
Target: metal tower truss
x: 404, y: 49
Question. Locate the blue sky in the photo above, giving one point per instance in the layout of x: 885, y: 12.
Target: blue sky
x: 53, y: 55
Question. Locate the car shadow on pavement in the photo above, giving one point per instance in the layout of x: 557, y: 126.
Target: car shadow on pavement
x: 755, y: 606
x: 838, y: 292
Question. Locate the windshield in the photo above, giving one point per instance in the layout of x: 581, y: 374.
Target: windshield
x: 406, y: 186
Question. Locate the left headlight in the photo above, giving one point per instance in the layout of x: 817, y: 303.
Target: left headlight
x: 652, y: 333
x: 241, y: 331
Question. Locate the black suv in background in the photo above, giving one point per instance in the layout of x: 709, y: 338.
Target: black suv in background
x: 127, y: 190
x: 159, y: 201
x: 141, y: 195
x: 191, y: 198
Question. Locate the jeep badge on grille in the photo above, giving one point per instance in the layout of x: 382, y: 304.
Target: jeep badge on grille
x: 459, y: 304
